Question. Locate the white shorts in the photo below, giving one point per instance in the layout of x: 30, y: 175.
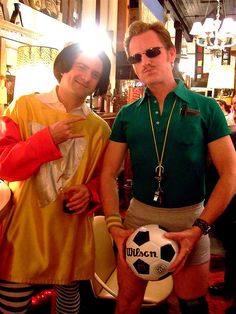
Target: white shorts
x: 170, y: 219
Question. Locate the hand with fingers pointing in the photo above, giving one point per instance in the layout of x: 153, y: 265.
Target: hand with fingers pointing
x: 61, y: 131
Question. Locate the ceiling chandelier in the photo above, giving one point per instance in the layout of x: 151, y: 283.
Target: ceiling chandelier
x: 215, y: 35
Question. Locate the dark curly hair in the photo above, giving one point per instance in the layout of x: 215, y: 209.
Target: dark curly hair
x: 224, y: 104
x: 66, y: 58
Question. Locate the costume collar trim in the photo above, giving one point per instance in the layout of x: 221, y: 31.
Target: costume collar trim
x: 51, y: 99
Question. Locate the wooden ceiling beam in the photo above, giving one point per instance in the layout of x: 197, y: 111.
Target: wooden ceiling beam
x: 177, y: 16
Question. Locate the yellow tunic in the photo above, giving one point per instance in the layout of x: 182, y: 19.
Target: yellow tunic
x: 40, y: 243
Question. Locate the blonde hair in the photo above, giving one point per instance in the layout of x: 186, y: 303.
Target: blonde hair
x: 139, y: 27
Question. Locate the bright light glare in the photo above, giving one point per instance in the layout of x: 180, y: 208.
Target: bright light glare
x: 186, y: 66
x: 93, y: 39
x: 31, y: 79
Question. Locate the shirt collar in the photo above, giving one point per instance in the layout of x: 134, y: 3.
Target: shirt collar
x: 180, y: 90
x: 51, y: 99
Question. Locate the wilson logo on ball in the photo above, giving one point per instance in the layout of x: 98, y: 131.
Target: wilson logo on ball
x: 138, y: 252
x: 149, y: 253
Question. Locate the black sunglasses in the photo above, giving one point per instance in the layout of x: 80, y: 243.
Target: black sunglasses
x: 150, y: 53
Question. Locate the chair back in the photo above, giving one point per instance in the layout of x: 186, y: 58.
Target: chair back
x: 105, y: 261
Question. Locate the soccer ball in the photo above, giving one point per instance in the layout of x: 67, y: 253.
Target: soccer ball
x: 149, y: 253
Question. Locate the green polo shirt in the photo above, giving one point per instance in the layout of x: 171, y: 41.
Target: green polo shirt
x: 195, y: 122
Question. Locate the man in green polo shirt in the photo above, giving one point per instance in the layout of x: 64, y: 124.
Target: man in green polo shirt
x: 169, y: 133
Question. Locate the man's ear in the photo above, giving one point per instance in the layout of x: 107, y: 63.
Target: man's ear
x: 172, y: 53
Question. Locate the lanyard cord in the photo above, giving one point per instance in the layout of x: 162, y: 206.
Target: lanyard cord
x: 165, y: 138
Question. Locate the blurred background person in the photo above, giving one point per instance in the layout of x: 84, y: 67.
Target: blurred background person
x: 228, y: 111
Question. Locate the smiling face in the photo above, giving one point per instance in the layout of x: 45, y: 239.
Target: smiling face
x: 84, y: 76
x: 156, y: 70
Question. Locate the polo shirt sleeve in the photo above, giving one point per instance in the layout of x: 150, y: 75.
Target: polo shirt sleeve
x: 216, y: 122
x: 118, y: 133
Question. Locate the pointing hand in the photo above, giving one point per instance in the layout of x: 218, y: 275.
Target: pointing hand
x: 61, y: 131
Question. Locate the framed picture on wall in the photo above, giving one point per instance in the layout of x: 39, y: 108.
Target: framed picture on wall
x: 64, y: 11
x: 199, y: 61
x: 35, y: 4
x: 26, y: 2
x: 74, y: 13
x: 49, y: 8
x: 225, y: 58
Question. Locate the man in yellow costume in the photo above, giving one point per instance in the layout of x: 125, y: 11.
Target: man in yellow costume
x: 50, y: 154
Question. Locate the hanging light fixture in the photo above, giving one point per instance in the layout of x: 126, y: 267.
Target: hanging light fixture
x: 215, y: 35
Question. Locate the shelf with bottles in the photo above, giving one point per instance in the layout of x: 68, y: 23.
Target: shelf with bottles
x: 130, y: 90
